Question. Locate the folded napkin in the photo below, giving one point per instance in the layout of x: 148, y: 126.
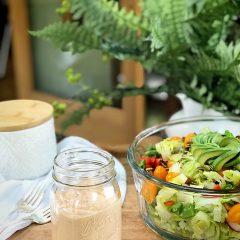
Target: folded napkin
x: 13, y: 190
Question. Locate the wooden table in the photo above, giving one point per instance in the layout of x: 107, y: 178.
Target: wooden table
x: 132, y: 224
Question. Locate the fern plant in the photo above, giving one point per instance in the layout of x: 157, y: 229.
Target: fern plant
x: 193, y: 44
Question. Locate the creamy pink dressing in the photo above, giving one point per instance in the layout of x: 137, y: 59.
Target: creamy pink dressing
x: 99, y: 221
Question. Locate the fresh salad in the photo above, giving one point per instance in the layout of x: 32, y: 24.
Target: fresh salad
x: 208, y: 160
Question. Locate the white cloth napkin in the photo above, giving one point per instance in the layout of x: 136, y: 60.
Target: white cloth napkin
x: 13, y: 190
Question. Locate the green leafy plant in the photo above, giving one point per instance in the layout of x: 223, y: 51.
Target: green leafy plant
x: 193, y: 44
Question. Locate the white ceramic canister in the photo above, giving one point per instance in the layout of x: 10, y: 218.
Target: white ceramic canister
x: 27, y: 139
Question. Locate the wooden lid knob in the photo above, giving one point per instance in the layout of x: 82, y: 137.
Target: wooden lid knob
x: 22, y: 114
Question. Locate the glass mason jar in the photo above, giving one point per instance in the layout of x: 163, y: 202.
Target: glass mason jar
x: 85, y: 197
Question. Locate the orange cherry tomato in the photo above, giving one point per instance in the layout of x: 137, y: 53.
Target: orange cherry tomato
x: 160, y: 172
x: 234, y: 214
x: 170, y: 163
x: 171, y: 175
x: 176, y: 138
x: 149, y: 191
x: 188, y: 138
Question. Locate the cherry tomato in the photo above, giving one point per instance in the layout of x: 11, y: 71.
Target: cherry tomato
x: 149, y: 161
x: 170, y: 163
x: 169, y: 203
x: 171, y: 175
x: 157, y: 162
x: 217, y: 187
x: 234, y: 214
x: 160, y: 172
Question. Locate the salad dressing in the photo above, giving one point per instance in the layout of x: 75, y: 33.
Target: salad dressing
x: 99, y: 222
x: 85, y: 196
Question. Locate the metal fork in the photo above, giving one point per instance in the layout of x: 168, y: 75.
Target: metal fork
x: 28, y: 203
x: 32, y: 199
x: 40, y: 216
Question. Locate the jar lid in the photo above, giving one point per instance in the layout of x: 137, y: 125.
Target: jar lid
x: 23, y: 114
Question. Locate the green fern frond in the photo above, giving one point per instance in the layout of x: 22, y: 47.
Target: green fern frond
x: 69, y: 36
x: 170, y: 29
x: 224, y: 61
x: 211, y: 21
x: 178, y: 39
x: 106, y: 19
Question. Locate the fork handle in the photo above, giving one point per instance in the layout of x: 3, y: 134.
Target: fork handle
x: 13, y: 228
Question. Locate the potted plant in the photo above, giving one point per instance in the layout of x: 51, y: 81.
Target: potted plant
x: 192, y: 44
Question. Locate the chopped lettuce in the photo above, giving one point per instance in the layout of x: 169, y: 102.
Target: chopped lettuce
x: 181, y: 179
x: 167, y: 147
x: 212, y: 206
x: 166, y: 194
x: 184, y: 197
x: 192, y: 215
x: 232, y: 176
x: 190, y: 168
x: 163, y: 212
x: 176, y: 157
x: 212, y: 178
x: 201, y: 223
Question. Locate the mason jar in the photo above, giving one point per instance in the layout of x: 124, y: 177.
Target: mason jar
x: 85, y: 197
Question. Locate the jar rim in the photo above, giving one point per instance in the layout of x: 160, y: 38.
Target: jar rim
x: 149, y: 131
x: 100, y: 172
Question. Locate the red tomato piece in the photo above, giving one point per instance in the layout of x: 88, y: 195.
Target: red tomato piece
x: 217, y: 187
x: 169, y: 203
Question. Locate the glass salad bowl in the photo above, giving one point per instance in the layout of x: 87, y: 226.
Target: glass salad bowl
x: 187, y: 178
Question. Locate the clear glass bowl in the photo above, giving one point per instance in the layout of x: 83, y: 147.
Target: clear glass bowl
x: 167, y: 228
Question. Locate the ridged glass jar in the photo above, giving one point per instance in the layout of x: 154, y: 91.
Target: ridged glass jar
x: 85, y: 197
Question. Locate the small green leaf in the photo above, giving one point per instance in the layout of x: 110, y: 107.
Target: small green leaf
x: 227, y: 133
x: 188, y: 211
x: 176, y: 208
x: 142, y: 164
x: 72, y: 77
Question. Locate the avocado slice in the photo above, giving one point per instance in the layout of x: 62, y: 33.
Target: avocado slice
x: 229, y: 141
x: 199, y: 151
x: 234, y: 162
x: 237, y: 167
x: 211, y: 153
x: 223, y: 159
x: 205, y: 138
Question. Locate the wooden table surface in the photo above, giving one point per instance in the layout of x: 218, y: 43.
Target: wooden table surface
x: 133, y: 227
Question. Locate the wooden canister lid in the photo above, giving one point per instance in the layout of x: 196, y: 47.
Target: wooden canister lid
x: 23, y: 114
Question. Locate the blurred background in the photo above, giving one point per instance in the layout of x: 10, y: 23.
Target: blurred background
x: 32, y: 68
